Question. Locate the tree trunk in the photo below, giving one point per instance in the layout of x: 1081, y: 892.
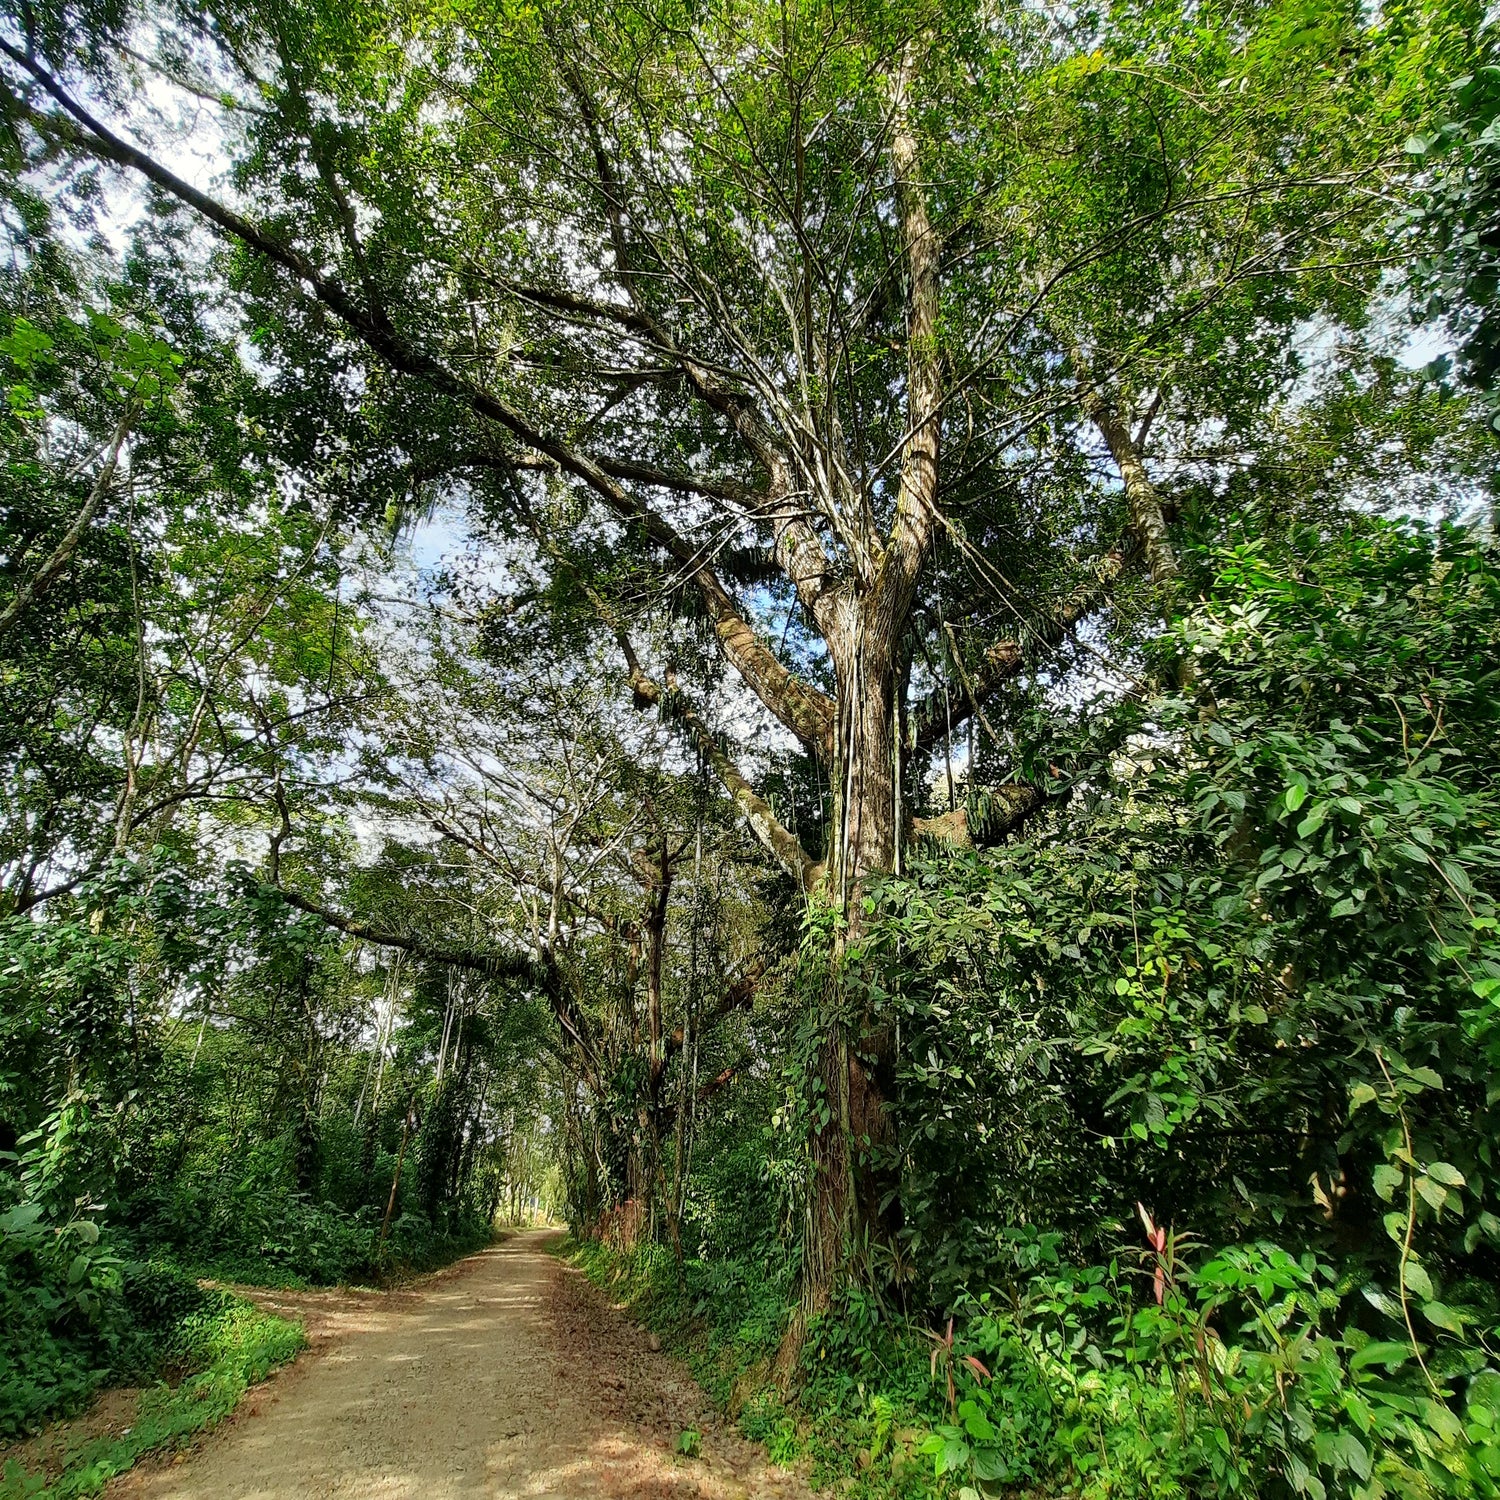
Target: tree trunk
x: 849, y: 1124
x: 390, y: 1204
x: 864, y: 659
x: 660, y: 889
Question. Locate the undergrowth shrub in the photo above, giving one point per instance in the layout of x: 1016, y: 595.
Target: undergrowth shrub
x: 740, y: 1308
x: 1236, y: 1373
x: 64, y: 1320
x: 1246, y: 1378
x: 270, y: 1235
x: 222, y: 1346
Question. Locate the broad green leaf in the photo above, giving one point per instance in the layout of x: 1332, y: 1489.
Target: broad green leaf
x: 1416, y: 1279
x: 1434, y: 1193
x: 1442, y: 1316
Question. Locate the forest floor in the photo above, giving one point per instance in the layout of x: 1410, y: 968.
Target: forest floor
x: 506, y: 1375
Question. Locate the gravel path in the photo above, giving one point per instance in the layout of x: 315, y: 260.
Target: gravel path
x: 507, y: 1376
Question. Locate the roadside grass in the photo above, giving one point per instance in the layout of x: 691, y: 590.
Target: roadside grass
x: 213, y: 1344
x: 228, y: 1346
x: 725, y: 1321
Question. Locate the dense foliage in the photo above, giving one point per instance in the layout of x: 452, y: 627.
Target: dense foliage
x: 854, y: 646
x: 1242, y: 987
x: 1196, y: 1140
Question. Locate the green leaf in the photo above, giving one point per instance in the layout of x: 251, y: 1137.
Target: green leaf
x: 1417, y: 1281
x: 954, y: 1455
x: 990, y: 1466
x: 1440, y: 1315
x: 1387, y: 1179
x: 1383, y: 1301
x: 20, y: 1218
x: 1449, y: 1176
x: 1356, y: 1457
x: 1385, y: 1352
x: 1433, y: 1193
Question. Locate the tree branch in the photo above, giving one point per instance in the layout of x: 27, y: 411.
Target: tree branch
x: 493, y: 965
x: 798, y: 549
x: 737, y: 997
x: 1003, y: 810
x: 1007, y: 659
x: 1142, y: 498
x: 799, y: 706
x: 29, y: 592
x: 916, y: 499
x: 769, y: 829
x: 617, y: 468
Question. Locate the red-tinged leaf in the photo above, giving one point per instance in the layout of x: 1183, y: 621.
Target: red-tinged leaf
x: 1159, y: 1283
x: 1140, y: 1208
x: 1159, y: 1240
x: 976, y: 1367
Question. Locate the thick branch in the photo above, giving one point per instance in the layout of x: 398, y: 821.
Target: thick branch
x: 720, y: 1080
x: 44, y: 577
x: 684, y: 484
x: 798, y: 549
x: 492, y: 965
x: 542, y: 973
x: 1008, y: 658
x: 916, y: 500
x: 799, y: 706
x: 1147, y: 518
x: 1143, y: 500
x: 724, y: 1077
x: 557, y: 300
x: 778, y: 839
x: 769, y: 829
x: 728, y: 490
x: 1004, y: 809
x: 737, y: 997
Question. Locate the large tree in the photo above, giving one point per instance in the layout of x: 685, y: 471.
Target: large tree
x: 891, y: 317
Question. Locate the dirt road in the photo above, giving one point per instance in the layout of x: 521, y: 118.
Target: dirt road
x: 507, y: 1376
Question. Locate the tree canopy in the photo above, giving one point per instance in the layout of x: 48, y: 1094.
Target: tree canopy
x: 854, y: 641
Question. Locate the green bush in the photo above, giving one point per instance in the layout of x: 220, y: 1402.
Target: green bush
x: 73, y: 1319
x: 265, y: 1234
x: 64, y: 1323
x: 1246, y: 1377
x: 231, y: 1344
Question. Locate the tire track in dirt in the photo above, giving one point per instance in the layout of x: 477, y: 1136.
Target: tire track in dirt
x: 507, y: 1376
